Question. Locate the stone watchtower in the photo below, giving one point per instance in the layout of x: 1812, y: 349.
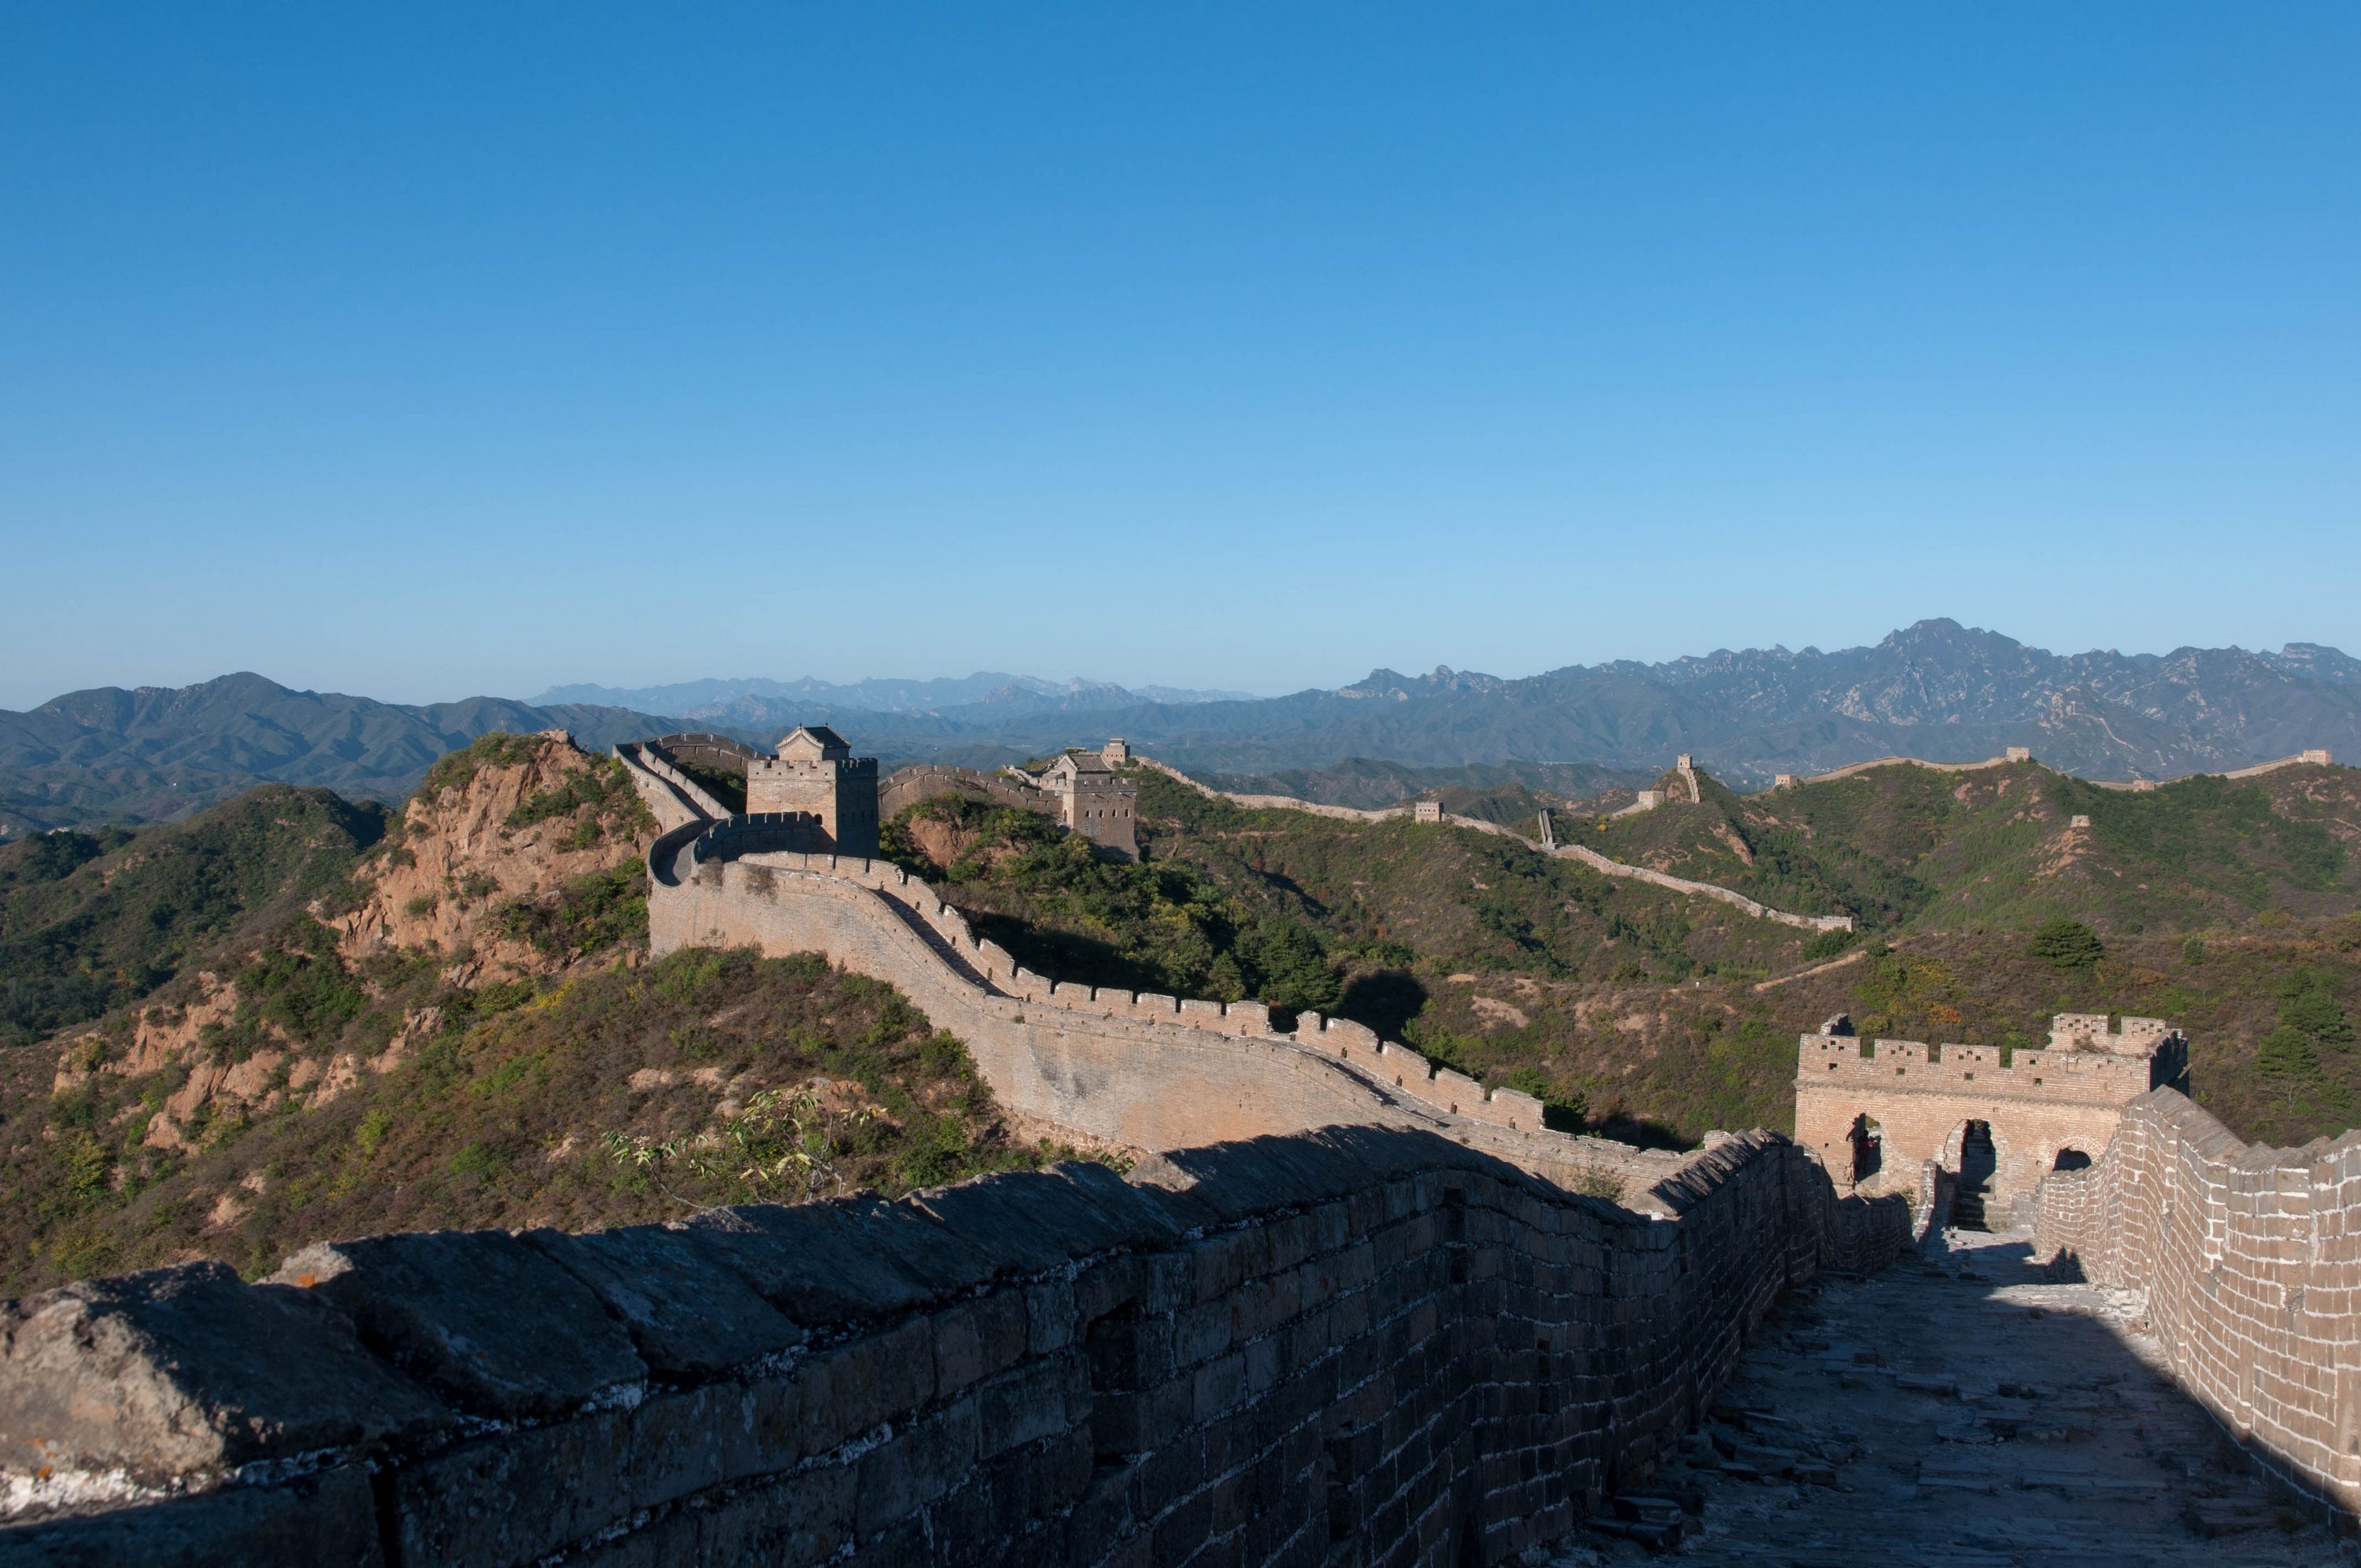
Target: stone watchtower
x: 1093, y: 801
x: 815, y: 771
x: 1874, y: 1112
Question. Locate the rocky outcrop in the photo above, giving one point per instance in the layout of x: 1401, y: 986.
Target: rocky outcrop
x: 461, y: 854
x: 440, y: 888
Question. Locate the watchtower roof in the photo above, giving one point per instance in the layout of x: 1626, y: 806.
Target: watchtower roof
x: 1072, y: 763
x: 814, y: 742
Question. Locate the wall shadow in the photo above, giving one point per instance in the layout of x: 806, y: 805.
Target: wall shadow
x: 1386, y: 1001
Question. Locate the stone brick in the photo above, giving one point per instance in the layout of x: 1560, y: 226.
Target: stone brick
x: 327, y: 1518
x: 812, y: 1261
x: 186, y: 1368
x: 487, y: 1321
x: 685, y: 1309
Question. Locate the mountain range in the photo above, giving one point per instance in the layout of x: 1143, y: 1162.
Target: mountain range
x: 1936, y: 690
x: 763, y: 702
x: 157, y: 752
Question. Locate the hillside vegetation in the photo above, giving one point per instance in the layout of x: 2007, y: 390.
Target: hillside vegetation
x: 450, y: 1021
x: 89, y: 920
x: 1647, y: 1014
x: 1903, y: 847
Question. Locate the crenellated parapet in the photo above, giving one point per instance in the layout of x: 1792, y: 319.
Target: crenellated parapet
x: 1875, y: 1111
x: 1154, y: 1070
x: 1354, y: 1345
x: 2250, y: 1261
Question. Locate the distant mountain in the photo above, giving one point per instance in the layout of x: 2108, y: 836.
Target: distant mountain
x: 160, y: 753
x: 1936, y: 690
x: 762, y: 702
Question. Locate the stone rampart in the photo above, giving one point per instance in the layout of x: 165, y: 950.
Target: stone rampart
x: 1849, y: 769
x: 726, y: 752
x: 1153, y: 1071
x: 1276, y: 802
x: 1600, y: 863
x: 1355, y: 1346
x: 908, y: 786
x: 672, y: 795
x: 1920, y: 1099
x: 1606, y: 867
x: 2250, y: 1259
x: 2315, y: 757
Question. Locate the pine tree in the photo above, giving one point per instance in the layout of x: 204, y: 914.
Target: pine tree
x: 2067, y: 943
x: 2287, y: 1055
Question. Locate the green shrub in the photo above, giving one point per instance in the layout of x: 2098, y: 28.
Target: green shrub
x: 458, y: 769
x: 2066, y: 943
x: 1827, y: 945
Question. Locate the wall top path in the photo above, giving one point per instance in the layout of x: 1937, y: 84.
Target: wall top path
x: 1243, y: 1352
x: 2250, y: 1260
x: 2315, y: 757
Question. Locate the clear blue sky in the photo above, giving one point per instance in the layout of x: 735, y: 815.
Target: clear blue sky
x: 426, y: 351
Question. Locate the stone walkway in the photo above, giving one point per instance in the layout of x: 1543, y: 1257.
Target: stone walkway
x: 1962, y: 1410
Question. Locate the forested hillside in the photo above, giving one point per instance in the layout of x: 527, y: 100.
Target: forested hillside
x: 289, y: 1018
x: 2226, y: 906
x: 292, y: 1016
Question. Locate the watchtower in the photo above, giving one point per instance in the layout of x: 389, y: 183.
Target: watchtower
x: 1093, y: 801
x: 815, y: 771
x: 1874, y: 1112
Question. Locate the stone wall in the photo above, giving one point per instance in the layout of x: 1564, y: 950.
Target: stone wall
x: 1921, y: 1097
x: 1592, y: 857
x: 1358, y: 1346
x: 908, y: 786
x: 2250, y: 1258
x: 671, y: 794
x: 1606, y: 867
x: 1149, y: 1070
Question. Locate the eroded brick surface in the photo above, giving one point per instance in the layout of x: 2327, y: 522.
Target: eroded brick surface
x: 1358, y: 1346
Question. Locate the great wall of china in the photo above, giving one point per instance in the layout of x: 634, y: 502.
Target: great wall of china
x: 1344, y: 1309
x: 1602, y: 864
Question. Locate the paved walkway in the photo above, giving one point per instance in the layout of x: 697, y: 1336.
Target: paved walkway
x: 1963, y: 1410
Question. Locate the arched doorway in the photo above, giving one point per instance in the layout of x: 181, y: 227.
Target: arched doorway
x: 1978, y: 1160
x: 2071, y: 1159
x: 1868, y: 1140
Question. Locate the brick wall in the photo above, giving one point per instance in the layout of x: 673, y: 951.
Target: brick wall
x: 1153, y: 1071
x: 1921, y: 1098
x: 1363, y: 1345
x: 908, y: 786
x: 2250, y: 1258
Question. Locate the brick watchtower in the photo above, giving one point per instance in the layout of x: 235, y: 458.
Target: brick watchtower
x: 816, y: 771
x: 1874, y: 1112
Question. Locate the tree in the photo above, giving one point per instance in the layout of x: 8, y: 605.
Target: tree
x: 2286, y: 1055
x: 2315, y: 1013
x: 2067, y: 943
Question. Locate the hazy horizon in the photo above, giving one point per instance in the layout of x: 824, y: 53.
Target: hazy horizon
x: 626, y: 688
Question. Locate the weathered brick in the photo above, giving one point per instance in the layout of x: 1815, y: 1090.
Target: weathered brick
x: 487, y: 1321
x: 187, y: 1368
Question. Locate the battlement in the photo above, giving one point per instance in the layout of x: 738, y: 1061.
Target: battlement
x: 1913, y: 1066
x: 2094, y: 1032
x: 1876, y: 1109
x: 816, y: 774
x: 1235, y: 1352
x: 1073, y: 1054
